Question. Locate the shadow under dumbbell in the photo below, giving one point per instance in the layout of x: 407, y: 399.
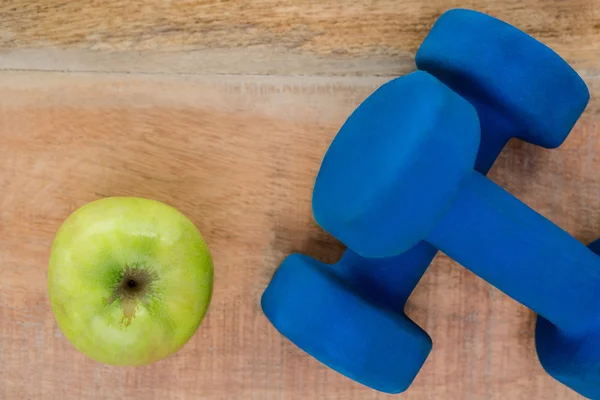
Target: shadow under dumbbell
x: 321, y: 245
x: 312, y: 241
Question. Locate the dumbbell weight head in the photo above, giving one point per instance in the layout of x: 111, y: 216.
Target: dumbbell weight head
x: 398, y: 161
x: 520, y: 87
x: 383, y: 285
x: 572, y: 358
x: 402, y: 168
x: 475, y: 222
x: 323, y: 315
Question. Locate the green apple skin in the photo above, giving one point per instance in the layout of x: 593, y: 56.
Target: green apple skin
x: 116, y: 238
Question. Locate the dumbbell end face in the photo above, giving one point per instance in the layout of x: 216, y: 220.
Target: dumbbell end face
x: 571, y: 358
x: 395, y: 164
x: 492, y: 62
x: 309, y: 305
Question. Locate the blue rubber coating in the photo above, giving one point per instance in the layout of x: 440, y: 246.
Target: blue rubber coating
x: 572, y: 358
x: 478, y: 224
x: 346, y: 344
x: 526, y: 81
x: 381, y: 283
x: 397, y: 161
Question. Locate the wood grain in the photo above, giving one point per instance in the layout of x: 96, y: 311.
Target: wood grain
x: 194, y: 103
x: 238, y: 155
x: 289, y: 37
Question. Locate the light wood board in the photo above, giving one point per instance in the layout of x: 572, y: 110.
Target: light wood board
x: 224, y: 109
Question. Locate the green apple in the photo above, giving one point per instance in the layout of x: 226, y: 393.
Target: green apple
x: 129, y: 280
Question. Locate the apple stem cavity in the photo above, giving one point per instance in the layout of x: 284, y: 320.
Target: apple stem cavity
x: 135, y: 285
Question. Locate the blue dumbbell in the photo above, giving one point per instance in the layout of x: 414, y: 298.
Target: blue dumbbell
x: 388, y: 184
x: 350, y: 315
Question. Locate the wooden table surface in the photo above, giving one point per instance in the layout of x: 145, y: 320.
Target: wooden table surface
x: 224, y: 110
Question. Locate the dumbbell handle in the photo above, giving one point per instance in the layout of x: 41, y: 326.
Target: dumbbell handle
x: 496, y: 131
x: 523, y: 254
